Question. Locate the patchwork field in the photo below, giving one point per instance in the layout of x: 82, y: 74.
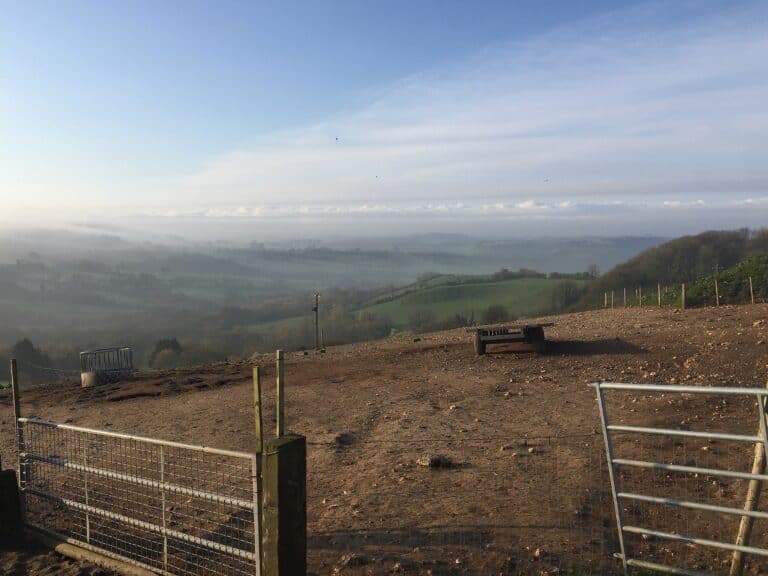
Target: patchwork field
x: 528, y: 489
x: 519, y: 296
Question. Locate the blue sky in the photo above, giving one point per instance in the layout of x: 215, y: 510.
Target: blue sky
x: 384, y: 115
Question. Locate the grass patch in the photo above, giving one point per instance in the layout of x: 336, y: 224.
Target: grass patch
x: 444, y: 299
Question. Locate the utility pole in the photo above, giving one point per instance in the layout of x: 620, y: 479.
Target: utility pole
x: 316, y: 310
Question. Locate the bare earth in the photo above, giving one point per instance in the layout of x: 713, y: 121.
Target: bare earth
x: 528, y: 492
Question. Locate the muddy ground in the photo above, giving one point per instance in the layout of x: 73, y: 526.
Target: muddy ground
x: 528, y: 489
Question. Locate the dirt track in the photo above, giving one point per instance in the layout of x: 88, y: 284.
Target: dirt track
x: 528, y: 493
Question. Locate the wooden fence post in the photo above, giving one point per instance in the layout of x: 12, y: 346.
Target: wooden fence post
x: 258, y: 421
x: 751, y: 292
x: 285, y: 506
x: 612, y: 298
x: 658, y: 289
x: 280, y: 369
x: 20, y: 445
x: 15, y: 395
x: 682, y: 296
x: 605, y: 299
x: 717, y: 294
x: 625, y: 296
x: 750, y: 504
x: 11, y: 510
x: 640, y: 292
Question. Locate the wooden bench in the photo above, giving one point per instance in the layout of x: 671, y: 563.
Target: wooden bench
x: 530, y: 335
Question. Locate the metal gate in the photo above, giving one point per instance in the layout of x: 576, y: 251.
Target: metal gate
x: 168, y: 507
x: 675, y: 471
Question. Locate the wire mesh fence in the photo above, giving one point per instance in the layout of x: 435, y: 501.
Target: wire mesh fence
x: 169, y: 507
x: 517, y: 506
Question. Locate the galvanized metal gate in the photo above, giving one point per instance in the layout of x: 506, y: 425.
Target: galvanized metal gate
x: 617, y: 464
x: 168, y: 507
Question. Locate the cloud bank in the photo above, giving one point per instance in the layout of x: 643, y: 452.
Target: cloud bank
x: 613, y: 110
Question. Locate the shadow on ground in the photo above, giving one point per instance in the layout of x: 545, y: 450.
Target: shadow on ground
x: 592, y: 347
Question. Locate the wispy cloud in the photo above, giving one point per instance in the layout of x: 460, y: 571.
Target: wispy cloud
x: 613, y: 109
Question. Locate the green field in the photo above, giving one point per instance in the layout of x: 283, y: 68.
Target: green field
x: 520, y: 296
x: 441, y: 302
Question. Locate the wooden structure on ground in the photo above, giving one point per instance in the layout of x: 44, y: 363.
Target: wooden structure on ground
x: 531, y: 336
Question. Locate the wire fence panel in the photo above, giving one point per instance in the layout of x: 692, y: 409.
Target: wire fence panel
x: 518, y: 506
x: 168, y: 507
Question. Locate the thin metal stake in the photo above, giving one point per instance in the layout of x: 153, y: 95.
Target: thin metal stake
x: 162, y: 502
x: 612, y: 474
x: 87, y: 499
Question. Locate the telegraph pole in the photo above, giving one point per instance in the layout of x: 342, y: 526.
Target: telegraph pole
x: 317, y: 320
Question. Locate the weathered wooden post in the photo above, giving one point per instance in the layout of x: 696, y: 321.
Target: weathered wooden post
x: 257, y: 417
x: 280, y: 376
x: 11, y: 516
x: 753, y: 496
x: 658, y: 290
x: 682, y: 296
x: 717, y: 294
x: 751, y: 292
x: 16, y: 415
x: 285, y: 506
x: 640, y: 292
x: 605, y: 299
x: 612, y: 298
x: 284, y: 469
x: 258, y: 422
x: 625, y: 296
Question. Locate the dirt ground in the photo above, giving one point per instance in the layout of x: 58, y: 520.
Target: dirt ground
x: 528, y: 492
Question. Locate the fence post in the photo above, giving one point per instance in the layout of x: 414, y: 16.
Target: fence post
x: 640, y: 292
x: 682, y: 296
x: 717, y: 294
x: 88, y: 500
x: 161, y: 457
x: 625, y: 296
x: 612, y: 298
x: 753, y: 494
x: 280, y: 369
x: 751, y: 292
x: 605, y: 299
x: 11, y: 506
x: 658, y: 289
x: 285, y: 506
x: 16, y: 415
x: 20, y: 448
x: 258, y: 420
x: 258, y: 469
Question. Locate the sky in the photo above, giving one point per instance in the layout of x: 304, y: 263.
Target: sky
x: 247, y: 119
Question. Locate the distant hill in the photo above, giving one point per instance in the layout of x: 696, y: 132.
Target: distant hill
x: 686, y: 259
